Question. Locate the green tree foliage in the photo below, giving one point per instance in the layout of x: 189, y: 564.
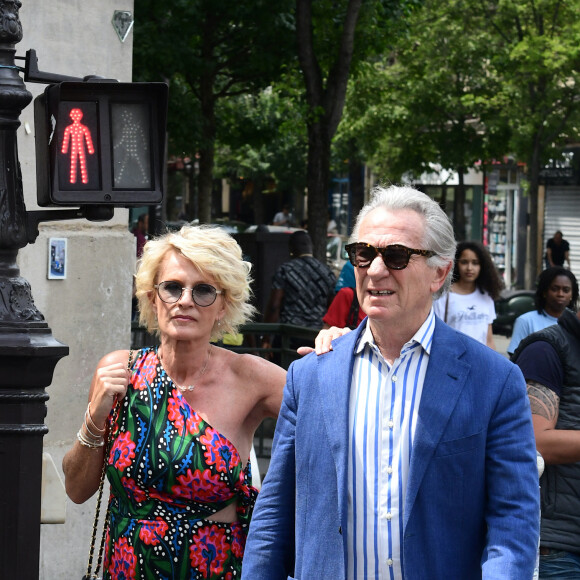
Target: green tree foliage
x: 209, y: 51
x: 332, y: 39
x: 472, y: 81
x: 537, y: 58
x: 429, y: 101
x: 263, y: 137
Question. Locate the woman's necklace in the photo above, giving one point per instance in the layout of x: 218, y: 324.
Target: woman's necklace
x: 201, y: 373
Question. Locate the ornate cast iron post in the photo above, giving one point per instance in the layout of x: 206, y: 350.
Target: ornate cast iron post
x: 28, y: 351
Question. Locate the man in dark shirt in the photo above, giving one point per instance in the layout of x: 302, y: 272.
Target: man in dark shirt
x: 302, y: 288
x: 550, y: 362
x: 557, y: 251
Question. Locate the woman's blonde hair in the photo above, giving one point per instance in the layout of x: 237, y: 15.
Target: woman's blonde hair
x: 214, y: 253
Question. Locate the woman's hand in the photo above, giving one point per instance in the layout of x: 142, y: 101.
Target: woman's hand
x: 82, y: 464
x: 323, y: 341
x: 109, y: 386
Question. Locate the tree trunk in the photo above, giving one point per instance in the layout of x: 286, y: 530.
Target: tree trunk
x: 459, y: 207
x: 318, y: 181
x: 357, y: 190
x: 206, y: 152
x: 258, y: 200
x: 205, y: 182
x: 534, y: 167
x: 325, y: 105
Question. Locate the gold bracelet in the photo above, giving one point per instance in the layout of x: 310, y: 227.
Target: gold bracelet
x: 88, y: 414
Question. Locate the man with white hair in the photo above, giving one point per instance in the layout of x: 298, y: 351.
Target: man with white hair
x: 407, y: 451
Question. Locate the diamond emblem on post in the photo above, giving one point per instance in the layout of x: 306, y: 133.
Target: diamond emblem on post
x: 122, y: 23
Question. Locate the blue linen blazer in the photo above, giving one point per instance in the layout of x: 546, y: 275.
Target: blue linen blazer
x: 472, y: 501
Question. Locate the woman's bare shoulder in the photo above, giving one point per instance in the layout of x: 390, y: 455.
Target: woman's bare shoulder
x: 250, y: 366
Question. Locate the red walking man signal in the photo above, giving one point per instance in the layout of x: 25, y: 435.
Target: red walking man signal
x: 100, y: 143
x: 76, y: 134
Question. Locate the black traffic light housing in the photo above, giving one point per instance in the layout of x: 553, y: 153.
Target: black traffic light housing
x: 100, y: 143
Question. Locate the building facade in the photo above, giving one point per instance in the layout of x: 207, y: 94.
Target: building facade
x: 86, y: 296
x: 561, y: 203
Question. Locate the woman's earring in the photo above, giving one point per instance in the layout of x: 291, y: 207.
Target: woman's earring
x: 219, y: 322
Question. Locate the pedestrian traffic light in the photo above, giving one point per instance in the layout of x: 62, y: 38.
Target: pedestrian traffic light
x: 100, y: 142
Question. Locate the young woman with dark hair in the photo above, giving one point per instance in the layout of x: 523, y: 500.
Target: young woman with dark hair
x: 469, y: 305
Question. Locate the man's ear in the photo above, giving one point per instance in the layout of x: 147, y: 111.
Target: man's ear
x: 441, y: 273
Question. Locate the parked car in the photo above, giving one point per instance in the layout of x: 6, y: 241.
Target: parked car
x: 510, y: 305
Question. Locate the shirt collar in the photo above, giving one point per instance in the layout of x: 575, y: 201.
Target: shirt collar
x: 548, y: 315
x: 423, y: 336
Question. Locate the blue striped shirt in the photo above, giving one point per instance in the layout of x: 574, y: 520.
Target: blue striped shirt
x: 384, y: 401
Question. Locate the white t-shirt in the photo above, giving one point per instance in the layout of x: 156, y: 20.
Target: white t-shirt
x: 469, y: 313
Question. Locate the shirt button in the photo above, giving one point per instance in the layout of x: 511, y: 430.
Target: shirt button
x: 390, y: 469
x: 389, y: 515
x: 394, y: 378
x: 391, y: 424
x: 390, y: 561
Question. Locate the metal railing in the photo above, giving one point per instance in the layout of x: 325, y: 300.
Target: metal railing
x: 284, y: 339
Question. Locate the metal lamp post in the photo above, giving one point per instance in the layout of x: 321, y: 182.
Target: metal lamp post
x: 116, y: 113
x: 28, y: 351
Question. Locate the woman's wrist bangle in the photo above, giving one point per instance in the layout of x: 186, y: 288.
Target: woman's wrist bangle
x: 87, y: 436
x: 89, y: 433
x: 89, y: 439
x: 90, y: 420
x: 87, y: 442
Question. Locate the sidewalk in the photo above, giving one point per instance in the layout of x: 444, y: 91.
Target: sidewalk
x: 501, y: 344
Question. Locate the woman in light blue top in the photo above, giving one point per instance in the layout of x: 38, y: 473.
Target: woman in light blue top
x: 557, y: 290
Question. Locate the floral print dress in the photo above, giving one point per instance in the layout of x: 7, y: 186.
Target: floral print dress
x: 169, y: 470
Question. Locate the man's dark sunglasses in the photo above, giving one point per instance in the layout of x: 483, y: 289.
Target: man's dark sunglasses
x: 395, y: 256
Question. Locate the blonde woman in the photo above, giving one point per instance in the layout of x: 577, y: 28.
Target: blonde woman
x: 181, y: 495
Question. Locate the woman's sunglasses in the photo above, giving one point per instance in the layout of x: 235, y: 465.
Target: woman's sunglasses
x: 202, y: 294
x: 395, y: 256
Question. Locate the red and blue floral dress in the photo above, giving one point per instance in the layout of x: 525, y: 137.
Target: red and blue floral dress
x: 169, y: 472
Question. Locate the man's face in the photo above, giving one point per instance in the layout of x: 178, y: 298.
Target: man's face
x: 397, y: 297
